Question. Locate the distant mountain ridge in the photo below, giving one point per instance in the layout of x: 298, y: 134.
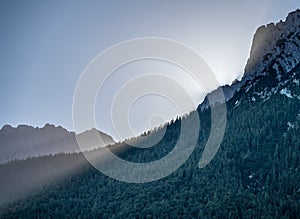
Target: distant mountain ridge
x: 26, y: 141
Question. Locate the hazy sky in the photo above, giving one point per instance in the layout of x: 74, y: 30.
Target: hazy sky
x: 46, y: 45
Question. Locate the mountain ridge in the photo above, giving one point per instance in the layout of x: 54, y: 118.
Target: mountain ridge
x: 268, y: 44
x: 26, y: 141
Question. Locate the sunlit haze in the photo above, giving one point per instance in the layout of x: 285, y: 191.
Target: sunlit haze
x: 46, y: 45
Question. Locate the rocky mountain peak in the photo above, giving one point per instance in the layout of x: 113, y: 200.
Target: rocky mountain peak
x: 280, y: 41
x: 274, y: 46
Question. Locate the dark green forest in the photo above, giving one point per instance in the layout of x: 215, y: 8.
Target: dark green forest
x: 255, y: 173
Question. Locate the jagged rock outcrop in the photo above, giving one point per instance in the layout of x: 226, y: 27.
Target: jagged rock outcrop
x: 274, y: 46
x: 279, y: 41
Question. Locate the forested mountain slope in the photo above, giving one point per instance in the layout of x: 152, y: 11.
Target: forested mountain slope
x: 255, y: 173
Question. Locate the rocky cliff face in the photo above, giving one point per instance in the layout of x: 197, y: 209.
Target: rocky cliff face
x: 274, y: 46
x: 280, y: 42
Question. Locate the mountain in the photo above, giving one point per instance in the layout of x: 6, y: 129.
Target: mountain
x: 274, y: 46
x: 255, y: 173
x: 26, y: 141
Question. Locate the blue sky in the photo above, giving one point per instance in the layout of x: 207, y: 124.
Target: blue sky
x: 46, y: 45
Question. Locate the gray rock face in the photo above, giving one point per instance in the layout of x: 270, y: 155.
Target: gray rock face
x: 274, y: 46
x: 26, y: 141
x: 279, y: 42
